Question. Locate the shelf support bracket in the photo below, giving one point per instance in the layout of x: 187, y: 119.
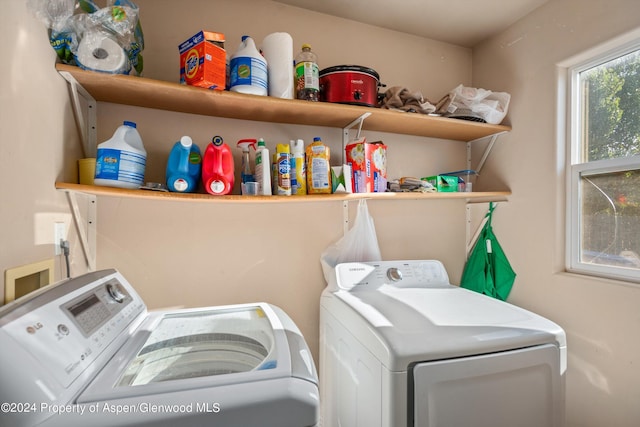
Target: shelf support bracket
x: 87, y: 123
x: 485, y: 154
x: 345, y: 217
x: 471, y: 240
x: 345, y: 131
x: 86, y: 230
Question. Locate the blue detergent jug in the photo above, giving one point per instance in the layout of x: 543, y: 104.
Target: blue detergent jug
x: 183, y: 166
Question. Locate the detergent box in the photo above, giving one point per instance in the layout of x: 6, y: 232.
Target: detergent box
x: 203, y: 61
x: 443, y: 183
x: 368, y: 161
x: 466, y: 179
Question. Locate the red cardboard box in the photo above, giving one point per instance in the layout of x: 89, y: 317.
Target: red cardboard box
x: 203, y: 61
x: 368, y: 162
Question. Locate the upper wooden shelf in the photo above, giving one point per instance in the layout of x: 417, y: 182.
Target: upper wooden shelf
x: 144, y: 92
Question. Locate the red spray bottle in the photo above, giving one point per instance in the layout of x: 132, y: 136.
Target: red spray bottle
x: 217, y: 168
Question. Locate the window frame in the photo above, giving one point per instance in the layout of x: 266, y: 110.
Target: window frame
x: 577, y: 168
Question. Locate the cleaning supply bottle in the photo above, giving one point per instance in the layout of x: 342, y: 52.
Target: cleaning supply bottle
x: 263, y: 169
x: 307, y: 75
x: 218, y: 168
x: 183, y: 166
x: 283, y: 169
x: 248, y: 69
x: 246, y: 173
x: 274, y: 174
x: 318, y: 168
x: 121, y: 160
x: 298, y: 169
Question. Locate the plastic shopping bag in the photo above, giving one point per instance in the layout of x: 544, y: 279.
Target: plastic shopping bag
x: 491, y: 106
x: 360, y: 243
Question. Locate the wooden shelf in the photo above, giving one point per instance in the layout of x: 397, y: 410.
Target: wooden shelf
x: 149, y: 93
x: 197, y: 197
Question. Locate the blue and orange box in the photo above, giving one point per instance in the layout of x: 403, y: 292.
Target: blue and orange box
x: 203, y: 61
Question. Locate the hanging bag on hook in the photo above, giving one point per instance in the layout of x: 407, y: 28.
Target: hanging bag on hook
x: 488, y: 270
x: 359, y: 243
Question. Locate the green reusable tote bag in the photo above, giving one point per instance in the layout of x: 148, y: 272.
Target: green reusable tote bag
x: 487, y: 270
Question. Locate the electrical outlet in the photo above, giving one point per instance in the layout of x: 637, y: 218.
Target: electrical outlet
x: 59, y: 234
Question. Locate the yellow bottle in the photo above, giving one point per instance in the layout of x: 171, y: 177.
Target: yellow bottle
x: 298, y: 169
x: 318, y: 169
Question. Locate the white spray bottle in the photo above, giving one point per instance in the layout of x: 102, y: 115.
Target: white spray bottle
x: 263, y: 169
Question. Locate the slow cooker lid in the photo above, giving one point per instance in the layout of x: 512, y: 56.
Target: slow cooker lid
x: 353, y: 68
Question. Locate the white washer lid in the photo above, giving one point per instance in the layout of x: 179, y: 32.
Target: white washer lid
x: 406, y: 325
x: 201, y: 344
x: 202, y: 348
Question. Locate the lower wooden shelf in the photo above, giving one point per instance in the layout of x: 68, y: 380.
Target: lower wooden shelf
x: 207, y: 198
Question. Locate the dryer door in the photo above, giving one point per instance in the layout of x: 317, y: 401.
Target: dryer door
x: 521, y: 388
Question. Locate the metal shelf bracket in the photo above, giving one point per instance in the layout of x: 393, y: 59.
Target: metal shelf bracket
x: 86, y: 227
x: 345, y: 217
x: 85, y: 110
x: 485, y: 155
x: 486, y: 152
x: 345, y: 131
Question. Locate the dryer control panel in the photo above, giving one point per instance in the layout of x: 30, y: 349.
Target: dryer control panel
x: 405, y: 274
x: 67, y: 327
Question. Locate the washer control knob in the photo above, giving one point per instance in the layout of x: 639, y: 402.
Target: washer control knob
x: 394, y: 274
x: 115, y: 293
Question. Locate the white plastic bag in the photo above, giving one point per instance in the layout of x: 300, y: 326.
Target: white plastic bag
x: 490, y: 106
x: 360, y: 243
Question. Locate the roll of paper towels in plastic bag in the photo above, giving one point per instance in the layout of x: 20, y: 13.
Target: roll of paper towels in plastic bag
x: 277, y: 49
x: 99, y: 52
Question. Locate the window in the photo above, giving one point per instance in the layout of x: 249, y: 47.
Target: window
x: 604, y: 182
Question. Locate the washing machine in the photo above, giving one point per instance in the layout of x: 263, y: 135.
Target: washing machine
x: 400, y: 346
x: 86, y: 352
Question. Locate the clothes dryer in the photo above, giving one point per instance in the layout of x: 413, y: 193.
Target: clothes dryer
x: 400, y: 346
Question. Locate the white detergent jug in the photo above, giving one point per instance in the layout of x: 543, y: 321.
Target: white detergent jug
x: 121, y: 160
x: 248, y: 69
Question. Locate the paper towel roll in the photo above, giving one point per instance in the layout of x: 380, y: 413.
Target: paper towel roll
x: 99, y: 52
x: 277, y: 49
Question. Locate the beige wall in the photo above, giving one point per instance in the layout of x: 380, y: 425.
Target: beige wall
x: 38, y: 145
x: 204, y: 254
x: 600, y: 316
x: 193, y: 254
x: 417, y: 63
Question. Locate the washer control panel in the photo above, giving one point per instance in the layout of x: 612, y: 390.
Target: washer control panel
x: 406, y: 274
x: 93, y: 309
x: 66, y: 332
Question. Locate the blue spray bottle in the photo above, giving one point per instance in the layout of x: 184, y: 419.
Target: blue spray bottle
x: 183, y: 166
